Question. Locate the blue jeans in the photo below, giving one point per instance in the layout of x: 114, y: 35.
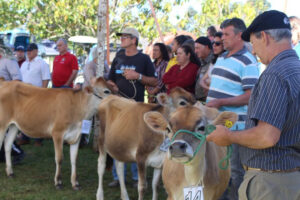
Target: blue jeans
x: 134, y: 171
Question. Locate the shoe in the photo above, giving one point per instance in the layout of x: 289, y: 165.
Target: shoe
x: 114, y: 183
x: 18, y: 158
x: 23, y: 142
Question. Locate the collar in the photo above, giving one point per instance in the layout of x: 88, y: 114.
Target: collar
x: 282, y: 55
x: 238, y: 53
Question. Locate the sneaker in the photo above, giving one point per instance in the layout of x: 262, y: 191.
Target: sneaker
x: 18, y: 158
x: 114, y: 183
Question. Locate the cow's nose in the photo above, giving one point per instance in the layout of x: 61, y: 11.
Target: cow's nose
x: 178, y: 147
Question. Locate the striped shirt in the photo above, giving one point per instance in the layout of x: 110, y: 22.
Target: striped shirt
x: 231, y: 76
x: 275, y: 99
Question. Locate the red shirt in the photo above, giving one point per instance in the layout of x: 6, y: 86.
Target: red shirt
x: 20, y: 62
x: 63, y: 65
x: 184, y: 78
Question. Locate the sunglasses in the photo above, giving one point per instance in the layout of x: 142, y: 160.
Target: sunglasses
x: 217, y: 43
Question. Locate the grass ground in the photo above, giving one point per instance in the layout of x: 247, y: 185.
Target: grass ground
x: 34, y: 177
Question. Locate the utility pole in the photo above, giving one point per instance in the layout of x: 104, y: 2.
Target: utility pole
x: 101, y: 35
x: 156, y: 22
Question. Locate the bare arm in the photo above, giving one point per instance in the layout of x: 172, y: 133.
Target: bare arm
x: 204, y: 80
x: 232, y: 101
x: 45, y: 83
x: 262, y: 136
x: 146, y: 80
x: 72, y: 78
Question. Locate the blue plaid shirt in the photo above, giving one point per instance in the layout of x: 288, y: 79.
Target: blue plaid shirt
x: 275, y: 99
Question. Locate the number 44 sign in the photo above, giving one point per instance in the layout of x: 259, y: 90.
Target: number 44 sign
x: 193, y: 193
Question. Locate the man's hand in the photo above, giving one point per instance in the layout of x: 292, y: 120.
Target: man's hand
x: 221, y: 136
x: 216, y: 103
x: 113, y: 86
x: 130, y: 74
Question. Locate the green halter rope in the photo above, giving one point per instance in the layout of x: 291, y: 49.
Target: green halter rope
x: 208, y: 129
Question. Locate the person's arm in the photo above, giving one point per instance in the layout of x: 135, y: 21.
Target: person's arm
x: 72, y: 78
x: 14, y: 70
x: 232, y: 101
x: 45, y: 83
x: 146, y: 80
x: 45, y: 74
x: 262, y: 136
x: 203, y: 81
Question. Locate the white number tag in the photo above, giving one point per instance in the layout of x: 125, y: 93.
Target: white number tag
x: 165, y: 145
x: 86, y: 126
x: 193, y: 193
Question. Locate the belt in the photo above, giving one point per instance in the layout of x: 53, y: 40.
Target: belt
x: 246, y: 168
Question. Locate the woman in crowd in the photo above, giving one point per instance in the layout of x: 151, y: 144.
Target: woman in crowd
x: 218, y: 49
x: 184, y: 73
x: 161, y: 59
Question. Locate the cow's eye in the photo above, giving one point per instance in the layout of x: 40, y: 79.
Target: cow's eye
x: 106, y: 91
x: 200, y: 128
x: 182, y: 103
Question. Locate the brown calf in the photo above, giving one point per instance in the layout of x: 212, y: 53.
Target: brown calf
x: 201, y: 169
x: 47, y: 113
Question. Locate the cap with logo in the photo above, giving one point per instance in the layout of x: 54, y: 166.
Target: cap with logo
x: 130, y: 31
x: 272, y: 19
x: 20, y: 48
x: 32, y: 46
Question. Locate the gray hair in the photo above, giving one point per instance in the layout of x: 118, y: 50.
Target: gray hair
x: 63, y: 40
x: 94, y: 53
x: 277, y: 34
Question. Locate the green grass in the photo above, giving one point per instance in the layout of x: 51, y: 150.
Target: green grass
x: 34, y: 177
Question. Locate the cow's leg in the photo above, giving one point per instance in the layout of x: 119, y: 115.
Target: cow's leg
x: 58, y: 148
x: 73, y: 157
x: 142, y: 179
x: 120, y: 172
x: 101, y: 170
x: 155, y: 181
x: 9, y: 139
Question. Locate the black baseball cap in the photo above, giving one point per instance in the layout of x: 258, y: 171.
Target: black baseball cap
x: 272, y: 19
x: 20, y: 48
x: 204, y: 41
x: 32, y: 46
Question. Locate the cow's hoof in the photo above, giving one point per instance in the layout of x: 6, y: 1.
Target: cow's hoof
x: 59, y: 186
x: 76, y: 187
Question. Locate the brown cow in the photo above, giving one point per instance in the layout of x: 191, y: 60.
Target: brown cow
x: 48, y: 113
x: 201, y: 169
x: 126, y: 137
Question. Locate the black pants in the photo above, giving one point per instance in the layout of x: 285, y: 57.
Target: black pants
x: 15, y: 151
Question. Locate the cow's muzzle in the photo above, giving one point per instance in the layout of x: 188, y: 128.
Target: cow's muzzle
x: 180, y: 148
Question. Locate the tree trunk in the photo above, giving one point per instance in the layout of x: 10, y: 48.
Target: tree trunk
x: 101, y: 36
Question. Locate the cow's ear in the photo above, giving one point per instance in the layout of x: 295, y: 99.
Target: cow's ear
x: 163, y: 99
x: 88, y: 89
x: 156, y: 122
x: 224, y: 117
x: 210, y: 113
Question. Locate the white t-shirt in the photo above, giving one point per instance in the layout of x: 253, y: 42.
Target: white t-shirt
x: 35, y: 71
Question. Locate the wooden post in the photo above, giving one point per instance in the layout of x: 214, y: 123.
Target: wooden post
x: 101, y: 34
x: 107, y: 34
x: 156, y: 22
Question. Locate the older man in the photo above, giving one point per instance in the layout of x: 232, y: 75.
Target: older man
x: 270, y: 149
x: 65, y: 66
x: 233, y: 76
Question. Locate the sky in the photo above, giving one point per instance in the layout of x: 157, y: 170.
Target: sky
x: 293, y: 7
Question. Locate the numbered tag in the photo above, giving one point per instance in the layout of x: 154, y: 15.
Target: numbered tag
x: 193, y: 193
x: 165, y: 145
x: 86, y: 126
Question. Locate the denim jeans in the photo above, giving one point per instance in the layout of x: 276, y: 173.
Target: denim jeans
x: 134, y: 171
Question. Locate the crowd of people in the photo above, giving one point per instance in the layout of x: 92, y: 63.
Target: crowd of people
x: 223, y: 70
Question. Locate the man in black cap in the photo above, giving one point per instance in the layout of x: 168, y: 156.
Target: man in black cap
x: 270, y: 151
x: 203, y: 50
x: 20, y: 55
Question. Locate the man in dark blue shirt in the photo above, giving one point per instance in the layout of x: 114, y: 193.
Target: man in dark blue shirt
x: 270, y: 149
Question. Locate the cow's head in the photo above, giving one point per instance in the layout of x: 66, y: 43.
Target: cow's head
x: 178, y: 97
x: 99, y: 88
x: 180, y: 125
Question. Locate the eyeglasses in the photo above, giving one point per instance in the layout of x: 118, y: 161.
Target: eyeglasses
x: 217, y: 43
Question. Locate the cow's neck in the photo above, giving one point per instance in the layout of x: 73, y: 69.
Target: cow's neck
x: 195, y: 170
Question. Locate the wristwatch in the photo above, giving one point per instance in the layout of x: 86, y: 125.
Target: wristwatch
x: 140, y: 77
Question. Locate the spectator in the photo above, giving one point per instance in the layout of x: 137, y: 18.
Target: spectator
x: 161, y: 59
x: 233, y: 77
x: 210, y: 32
x: 65, y: 66
x: 218, y: 49
x: 35, y: 71
x: 184, y: 73
x: 20, y: 55
x: 270, y: 144
x: 177, y: 42
x: 130, y: 72
x: 295, y: 25
x: 203, y: 50
x: 9, y: 70
x: 169, y: 48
